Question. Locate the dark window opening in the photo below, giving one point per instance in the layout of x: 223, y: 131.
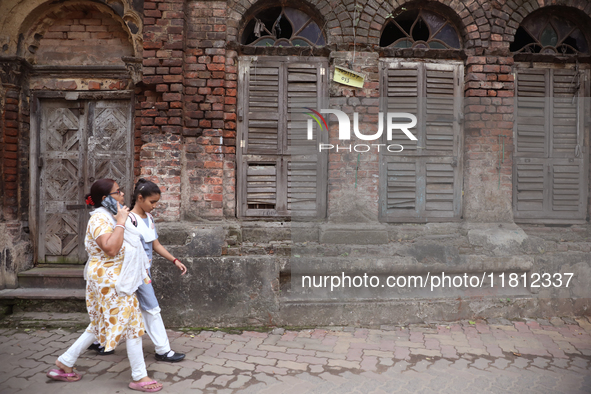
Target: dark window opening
x: 283, y: 27
x: 420, y: 29
x: 549, y: 32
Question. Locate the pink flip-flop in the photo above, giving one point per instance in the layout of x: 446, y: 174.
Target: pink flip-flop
x: 60, y: 374
x: 140, y: 386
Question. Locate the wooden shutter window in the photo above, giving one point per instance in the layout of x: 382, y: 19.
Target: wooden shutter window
x: 440, y: 189
x: 566, y: 186
x: 302, y: 186
x: 439, y: 111
x: 302, y: 91
x: 530, y: 185
x: 261, y: 186
x: 550, y: 174
x: 423, y: 183
x: 564, y: 114
x: 264, y: 108
x: 281, y: 172
x: 530, y: 119
x: 401, y: 186
x: 402, y: 95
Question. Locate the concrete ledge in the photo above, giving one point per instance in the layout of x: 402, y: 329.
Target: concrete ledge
x: 354, y: 234
x: 425, y: 311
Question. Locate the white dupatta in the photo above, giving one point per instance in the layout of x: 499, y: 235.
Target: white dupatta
x: 135, y: 261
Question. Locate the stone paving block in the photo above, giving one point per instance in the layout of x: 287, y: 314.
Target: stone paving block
x: 480, y: 363
x: 401, y: 353
x: 217, y: 369
x: 500, y: 363
x: 202, y: 382
x: 166, y: 367
x: 344, y: 364
x: 292, y: 365
x: 232, y: 356
x: 222, y: 380
x: 336, y: 356
x: 274, y: 370
x: 246, y: 366
x: 280, y: 356
x: 426, y: 352
x: 312, y: 360
x: 210, y: 360
x: 240, y: 381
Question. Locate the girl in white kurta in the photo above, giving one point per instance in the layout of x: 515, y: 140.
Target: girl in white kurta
x: 145, y: 197
x: 113, y: 317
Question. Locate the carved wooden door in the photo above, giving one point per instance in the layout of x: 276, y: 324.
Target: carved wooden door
x: 80, y: 141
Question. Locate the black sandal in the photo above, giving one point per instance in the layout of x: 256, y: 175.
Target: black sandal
x: 100, y: 350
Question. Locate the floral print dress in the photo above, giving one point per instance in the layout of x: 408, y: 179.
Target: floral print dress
x: 112, y: 318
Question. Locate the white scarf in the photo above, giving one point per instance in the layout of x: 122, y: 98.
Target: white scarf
x: 147, y: 231
x: 135, y: 261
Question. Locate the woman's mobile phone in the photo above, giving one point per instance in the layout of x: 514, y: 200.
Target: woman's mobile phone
x: 110, y: 204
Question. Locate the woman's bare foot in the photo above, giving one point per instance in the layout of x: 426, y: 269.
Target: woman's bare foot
x: 66, y: 369
x: 149, y: 386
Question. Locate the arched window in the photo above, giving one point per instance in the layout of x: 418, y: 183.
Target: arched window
x: 420, y: 29
x: 549, y: 33
x: 550, y: 155
x: 280, y: 173
x: 423, y: 182
x: 283, y: 27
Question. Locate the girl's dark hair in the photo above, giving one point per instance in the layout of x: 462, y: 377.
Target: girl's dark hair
x: 144, y: 187
x: 98, y: 190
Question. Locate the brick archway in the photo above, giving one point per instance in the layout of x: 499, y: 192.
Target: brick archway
x: 44, y: 17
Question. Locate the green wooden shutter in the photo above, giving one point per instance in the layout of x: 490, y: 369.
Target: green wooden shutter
x: 423, y: 182
x: 280, y: 171
x: 550, y: 170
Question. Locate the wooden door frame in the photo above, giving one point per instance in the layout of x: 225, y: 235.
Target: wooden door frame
x: 35, y: 129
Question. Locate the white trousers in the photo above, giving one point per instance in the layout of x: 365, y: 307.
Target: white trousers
x: 155, y: 329
x: 135, y: 353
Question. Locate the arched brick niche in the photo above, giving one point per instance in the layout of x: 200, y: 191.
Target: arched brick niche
x: 80, y: 33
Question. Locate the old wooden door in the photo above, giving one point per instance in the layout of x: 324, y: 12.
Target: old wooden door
x: 79, y: 141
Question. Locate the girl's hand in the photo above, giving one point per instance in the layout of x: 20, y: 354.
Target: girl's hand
x: 180, y: 266
x: 122, y: 213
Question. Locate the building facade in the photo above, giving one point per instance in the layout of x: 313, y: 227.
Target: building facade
x: 205, y: 98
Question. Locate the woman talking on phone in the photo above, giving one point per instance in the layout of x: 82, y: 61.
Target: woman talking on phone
x: 114, y: 315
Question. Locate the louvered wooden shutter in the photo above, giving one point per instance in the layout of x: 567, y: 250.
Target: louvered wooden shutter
x: 280, y: 171
x: 263, y: 108
x: 423, y: 182
x: 420, y: 189
x: 550, y: 165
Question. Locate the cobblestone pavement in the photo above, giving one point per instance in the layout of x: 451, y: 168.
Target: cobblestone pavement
x: 495, y: 356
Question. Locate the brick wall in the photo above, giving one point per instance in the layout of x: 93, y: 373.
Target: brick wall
x: 83, y: 38
x: 161, y: 120
x: 210, y: 107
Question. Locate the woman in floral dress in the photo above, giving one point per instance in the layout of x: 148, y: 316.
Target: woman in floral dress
x: 113, y: 317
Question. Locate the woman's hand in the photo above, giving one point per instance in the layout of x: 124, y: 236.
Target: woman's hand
x: 180, y: 266
x: 122, y: 214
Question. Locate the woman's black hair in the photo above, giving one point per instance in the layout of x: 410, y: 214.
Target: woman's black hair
x: 144, y: 187
x: 99, y: 189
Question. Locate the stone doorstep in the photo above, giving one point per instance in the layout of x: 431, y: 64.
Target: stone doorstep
x: 53, y: 277
x: 46, y: 319
x: 42, y: 294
